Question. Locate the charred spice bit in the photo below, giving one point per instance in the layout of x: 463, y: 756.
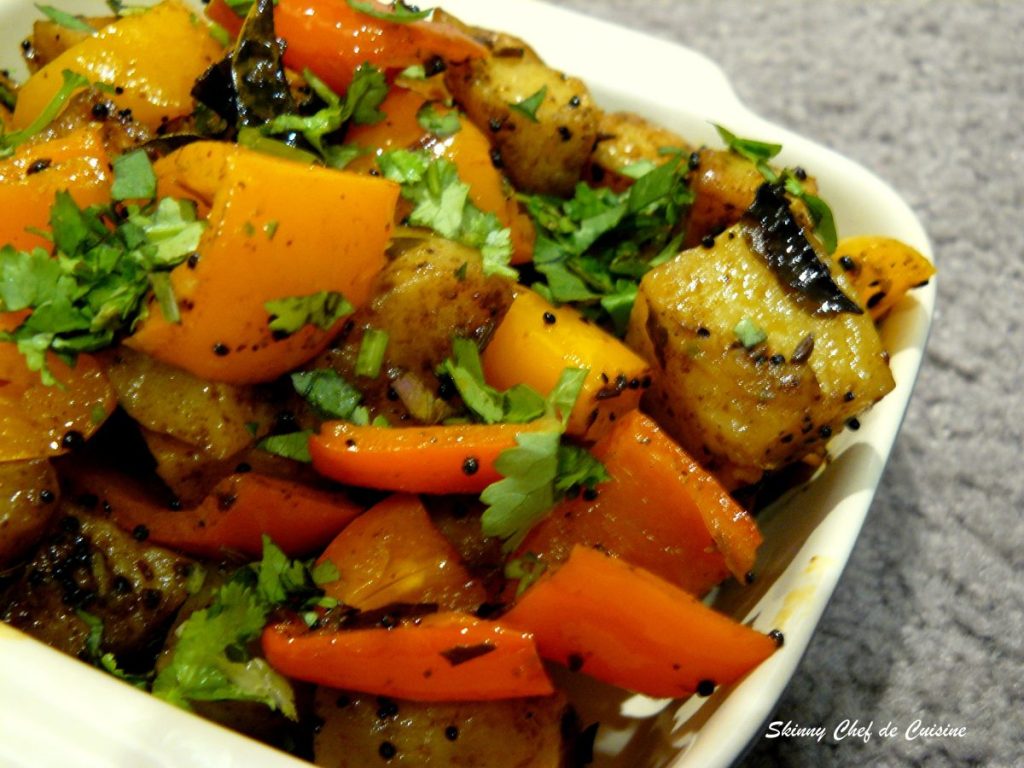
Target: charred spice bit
x: 589, y: 494
x: 825, y: 431
x: 693, y: 163
x: 849, y: 397
x: 451, y: 733
x: 220, y: 349
x: 39, y: 165
x: 564, y: 132
x: 387, y: 750
x: 874, y: 300
x: 460, y: 654
x: 174, y: 505
x: 140, y: 532
x: 72, y: 440
x: 192, y: 260
x: 46, y: 496
x: 703, y: 332
x: 549, y: 318
x: 777, y: 637
x: 496, y: 160
x: 386, y: 708
x: 705, y: 687
x: 853, y: 424
x: 574, y: 662
x: 847, y: 263
x: 574, y: 102
x: 748, y: 577
x: 708, y: 241
x: 470, y: 466
x: 495, y: 124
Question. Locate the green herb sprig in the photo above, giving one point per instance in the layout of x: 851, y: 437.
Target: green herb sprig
x: 759, y: 153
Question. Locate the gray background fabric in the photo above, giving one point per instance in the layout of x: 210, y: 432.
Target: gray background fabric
x: 928, y: 620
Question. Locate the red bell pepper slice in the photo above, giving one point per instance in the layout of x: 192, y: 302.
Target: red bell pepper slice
x: 445, y: 657
x: 332, y: 38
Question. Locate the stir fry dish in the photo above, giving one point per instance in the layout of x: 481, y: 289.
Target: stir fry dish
x: 357, y: 371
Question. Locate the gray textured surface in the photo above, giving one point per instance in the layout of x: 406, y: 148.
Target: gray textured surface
x: 928, y: 620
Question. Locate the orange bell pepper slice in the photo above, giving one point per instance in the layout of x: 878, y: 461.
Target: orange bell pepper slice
x: 559, y: 338
x: 468, y: 148
x: 32, y: 176
x: 435, y: 459
x: 152, y: 57
x: 627, y: 627
x: 443, y: 657
x: 394, y: 554
x: 37, y: 420
x: 882, y: 270
x: 331, y: 38
x: 277, y: 230
x: 660, y: 511
x: 233, y: 518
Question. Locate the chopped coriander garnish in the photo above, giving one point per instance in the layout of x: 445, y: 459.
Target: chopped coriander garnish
x: 441, y: 125
x: 442, y: 204
x: 65, y: 19
x: 133, y: 177
x: 327, y: 392
x: 518, y: 405
x: 371, y: 353
x: 594, y: 248
x: 530, y: 104
x: 97, y: 285
x: 71, y: 82
x: 322, y: 309
x: 211, y: 660
x: 759, y: 153
x: 360, y: 105
x: 527, y: 569
x: 414, y: 72
x: 253, y: 138
x: 539, y: 471
x: 749, y: 333
x: 294, y: 446
x: 399, y: 12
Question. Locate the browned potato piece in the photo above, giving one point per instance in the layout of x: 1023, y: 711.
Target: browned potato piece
x: 220, y: 419
x: 432, y: 290
x: 546, y: 154
x: 50, y: 39
x: 90, y: 564
x: 28, y: 501
x: 361, y: 729
x: 757, y: 408
x: 723, y: 185
x: 624, y: 139
x: 189, y: 471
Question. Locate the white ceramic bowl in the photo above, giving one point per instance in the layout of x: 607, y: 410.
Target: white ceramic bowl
x: 55, y: 711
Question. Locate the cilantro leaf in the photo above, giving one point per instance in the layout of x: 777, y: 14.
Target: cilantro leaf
x: 361, y: 105
x: 371, y: 352
x: 212, y: 661
x: 520, y: 404
x: 322, y: 309
x: 539, y: 471
x: 133, y: 177
x: 529, y: 106
x: 594, y: 248
x: 400, y: 13
x: 294, y: 446
x: 70, y: 82
x: 759, y: 153
x: 65, y: 19
x: 749, y: 333
x: 327, y: 392
x: 526, y: 492
x: 441, y: 125
x: 442, y: 204
x: 95, y: 287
